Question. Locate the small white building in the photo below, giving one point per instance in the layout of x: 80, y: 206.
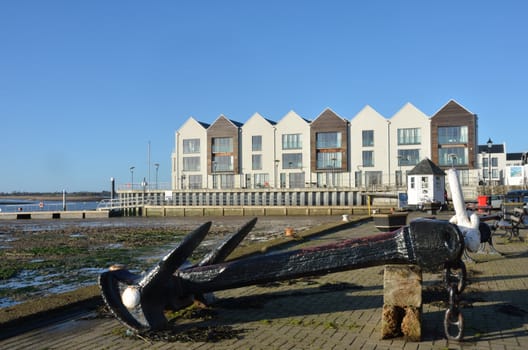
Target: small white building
x: 425, y: 184
x: 516, y: 175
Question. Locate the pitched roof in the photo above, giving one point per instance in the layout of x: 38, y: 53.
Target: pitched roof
x: 514, y: 156
x: 426, y: 167
x: 494, y: 148
x: 453, y: 106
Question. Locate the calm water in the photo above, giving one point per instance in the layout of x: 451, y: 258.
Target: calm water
x: 11, y: 206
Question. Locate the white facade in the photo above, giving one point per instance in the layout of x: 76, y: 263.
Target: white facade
x: 258, y: 152
x: 369, y: 148
x: 380, y: 151
x: 410, y: 141
x: 425, y: 189
x: 292, y: 139
x: 184, y: 170
x: 492, y: 165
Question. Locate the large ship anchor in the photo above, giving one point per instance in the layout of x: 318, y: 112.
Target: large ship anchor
x: 139, y: 301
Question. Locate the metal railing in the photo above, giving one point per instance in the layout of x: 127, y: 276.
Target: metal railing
x: 161, y: 186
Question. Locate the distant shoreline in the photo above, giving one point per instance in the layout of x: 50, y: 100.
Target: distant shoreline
x: 52, y: 197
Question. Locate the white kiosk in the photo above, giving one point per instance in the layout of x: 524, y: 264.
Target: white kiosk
x: 426, y: 186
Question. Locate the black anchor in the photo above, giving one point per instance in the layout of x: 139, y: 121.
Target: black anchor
x: 139, y: 301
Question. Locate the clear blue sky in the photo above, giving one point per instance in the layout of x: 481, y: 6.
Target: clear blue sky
x: 85, y: 85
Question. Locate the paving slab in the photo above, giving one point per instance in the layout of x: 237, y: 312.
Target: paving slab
x: 335, y: 311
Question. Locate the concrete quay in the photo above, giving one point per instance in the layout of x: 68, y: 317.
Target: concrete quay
x: 43, y: 215
x: 336, y: 311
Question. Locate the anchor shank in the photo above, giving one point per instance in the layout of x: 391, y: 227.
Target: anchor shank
x: 347, y: 255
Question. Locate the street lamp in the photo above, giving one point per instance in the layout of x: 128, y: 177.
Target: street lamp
x: 276, y: 171
x: 490, y: 144
x: 132, y: 177
x: 156, y: 165
x: 214, y: 175
x: 400, y: 160
x: 144, y: 185
x: 333, y: 171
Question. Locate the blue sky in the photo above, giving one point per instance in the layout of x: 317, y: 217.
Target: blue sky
x: 86, y: 85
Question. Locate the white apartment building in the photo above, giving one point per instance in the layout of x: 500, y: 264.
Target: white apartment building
x: 258, y: 152
x: 369, y: 151
x: 189, y: 166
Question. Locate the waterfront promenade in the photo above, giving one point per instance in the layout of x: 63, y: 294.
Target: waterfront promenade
x: 336, y: 311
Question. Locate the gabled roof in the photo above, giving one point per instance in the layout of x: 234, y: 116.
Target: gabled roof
x: 452, y: 105
x: 514, y: 156
x: 406, y: 110
x: 194, y: 121
x: 223, y: 117
x: 367, y: 111
x: 426, y: 167
x: 258, y: 116
x: 329, y: 113
x: 291, y: 114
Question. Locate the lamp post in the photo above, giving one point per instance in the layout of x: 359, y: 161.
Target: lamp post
x: 214, y: 175
x: 276, y: 171
x: 333, y: 171
x: 400, y: 160
x: 399, y: 181
x: 490, y: 144
x: 183, y: 182
x: 156, y: 165
x: 112, y: 188
x: 290, y: 165
x: 144, y: 185
x: 132, y: 177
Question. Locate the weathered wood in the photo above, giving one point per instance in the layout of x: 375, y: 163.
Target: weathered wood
x: 402, y: 302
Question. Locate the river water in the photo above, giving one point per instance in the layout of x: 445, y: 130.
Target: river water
x: 16, y: 205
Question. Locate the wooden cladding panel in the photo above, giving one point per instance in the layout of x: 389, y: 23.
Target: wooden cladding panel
x: 328, y: 121
x: 455, y: 115
x: 223, y: 127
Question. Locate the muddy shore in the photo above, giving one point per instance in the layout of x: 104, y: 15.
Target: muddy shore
x: 61, y: 249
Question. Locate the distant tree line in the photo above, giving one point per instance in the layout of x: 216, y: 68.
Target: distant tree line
x: 51, y: 194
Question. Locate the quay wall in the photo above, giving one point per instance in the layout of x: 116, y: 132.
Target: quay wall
x: 74, y: 214
x: 181, y: 211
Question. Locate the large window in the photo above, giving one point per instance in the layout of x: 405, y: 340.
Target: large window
x: 329, y: 160
x: 222, y: 144
x: 256, y: 143
x: 195, y: 181
x: 261, y: 180
x: 328, y: 140
x: 368, y: 138
x: 410, y: 136
x: 296, y: 180
x: 291, y: 160
x: 256, y: 162
x: 452, y: 135
x: 191, y: 146
x: 368, y: 158
x: 222, y: 163
x: 449, y: 156
x: 373, y: 178
x: 292, y: 141
x: 408, y: 157
x: 191, y: 163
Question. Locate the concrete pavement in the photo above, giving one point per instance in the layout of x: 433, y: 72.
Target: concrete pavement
x: 336, y: 311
